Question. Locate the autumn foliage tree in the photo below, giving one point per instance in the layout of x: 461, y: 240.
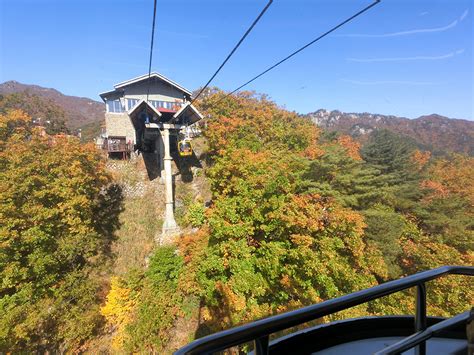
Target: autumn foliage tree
x: 58, y: 213
x: 445, y: 296
x: 273, y: 244
x: 447, y: 209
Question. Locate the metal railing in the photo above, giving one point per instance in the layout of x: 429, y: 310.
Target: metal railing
x: 260, y: 330
x: 419, y: 338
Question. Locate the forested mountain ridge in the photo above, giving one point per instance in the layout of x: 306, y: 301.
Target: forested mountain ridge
x: 433, y: 132
x: 437, y: 133
x: 78, y: 111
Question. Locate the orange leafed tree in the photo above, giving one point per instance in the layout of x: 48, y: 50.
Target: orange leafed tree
x: 453, y: 176
x: 351, y: 147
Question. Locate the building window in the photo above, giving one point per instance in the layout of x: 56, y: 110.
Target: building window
x: 131, y: 103
x: 114, y: 106
x: 165, y: 104
x: 155, y: 103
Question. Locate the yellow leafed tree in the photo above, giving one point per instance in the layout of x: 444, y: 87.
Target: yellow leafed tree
x: 118, y: 309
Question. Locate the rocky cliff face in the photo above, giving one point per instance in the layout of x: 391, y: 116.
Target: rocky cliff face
x: 436, y: 132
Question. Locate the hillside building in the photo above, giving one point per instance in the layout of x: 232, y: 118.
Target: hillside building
x: 147, y: 114
x: 165, y: 102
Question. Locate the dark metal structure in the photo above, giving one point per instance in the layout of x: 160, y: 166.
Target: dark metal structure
x: 368, y: 329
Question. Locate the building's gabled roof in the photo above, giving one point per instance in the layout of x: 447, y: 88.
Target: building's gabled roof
x: 188, y: 113
x: 141, y: 103
x: 152, y: 75
x: 106, y: 93
x: 120, y: 86
x: 103, y: 95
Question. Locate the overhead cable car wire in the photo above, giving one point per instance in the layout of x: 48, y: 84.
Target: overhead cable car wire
x: 151, y: 49
x: 234, y: 49
x: 304, y: 47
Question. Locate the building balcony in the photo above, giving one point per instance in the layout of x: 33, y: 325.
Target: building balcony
x: 116, y: 145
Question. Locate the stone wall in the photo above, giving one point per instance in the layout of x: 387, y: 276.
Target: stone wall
x: 119, y: 124
x: 132, y: 178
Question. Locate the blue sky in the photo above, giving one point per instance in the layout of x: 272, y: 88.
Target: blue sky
x: 403, y: 57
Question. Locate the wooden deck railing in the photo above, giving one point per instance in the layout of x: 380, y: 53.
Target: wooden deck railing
x: 114, y: 146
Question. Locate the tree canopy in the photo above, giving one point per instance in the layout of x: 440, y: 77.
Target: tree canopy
x: 58, y: 211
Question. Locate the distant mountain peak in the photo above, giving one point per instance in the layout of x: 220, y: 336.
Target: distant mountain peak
x: 79, y: 111
x: 434, y: 130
